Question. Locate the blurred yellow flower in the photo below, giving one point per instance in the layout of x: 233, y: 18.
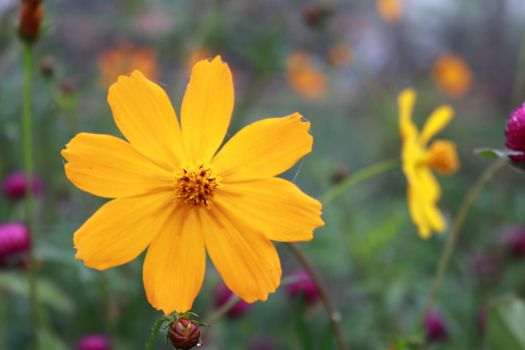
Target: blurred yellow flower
x: 341, y: 55
x: 179, y: 195
x: 452, y: 75
x: 304, y: 77
x: 390, y: 11
x: 125, y: 59
x: 419, y: 160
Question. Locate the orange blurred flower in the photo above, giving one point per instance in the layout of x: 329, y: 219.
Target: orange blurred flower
x: 341, y: 55
x: 31, y: 14
x: 197, y: 54
x: 390, y: 11
x: 125, y: 59
x: 452, y: 75
x: 304, y: 77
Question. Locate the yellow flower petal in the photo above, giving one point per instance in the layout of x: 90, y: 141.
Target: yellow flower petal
x: 406, y: 101
x: 206, y: 109
x: 435, y: 123
x: 175, y: 263
x: 264, y: 148
x: 417, y: 212
x: 274, y: 206
x: 144, y: 115
x: 121, y: 229
x: 107, y: 166
x: 246, y: 260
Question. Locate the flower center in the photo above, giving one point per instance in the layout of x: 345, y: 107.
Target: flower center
x: 442, y: 157
x: 196, y: 185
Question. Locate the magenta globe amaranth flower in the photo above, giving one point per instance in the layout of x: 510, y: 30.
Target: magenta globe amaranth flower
x: 435, y: 327
x: 94, y: 342
x: 514, y: 240
x: 15, y: 185
x: 303, y: 286
x: 14, y: 241
x: 221, y: 295
x: 515, y: 134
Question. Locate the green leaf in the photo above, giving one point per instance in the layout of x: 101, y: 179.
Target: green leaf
x: 302, y: 330
x: 505, y: 324
x: 48, y: 292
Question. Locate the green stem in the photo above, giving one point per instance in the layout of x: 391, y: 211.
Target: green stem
x: 154, y: 333
x: 28, y: 169
x: 358, y: 177
x: 461, y: 215
x: 333, y: 315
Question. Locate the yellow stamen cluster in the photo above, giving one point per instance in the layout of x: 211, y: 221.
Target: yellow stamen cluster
x: 196, y: 185
x: 442, y: 157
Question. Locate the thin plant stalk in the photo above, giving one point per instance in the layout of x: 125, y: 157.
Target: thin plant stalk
x: 154, y: 333
x: 28, y: 170
x: 459, y: 220
x: 333, y: 315
x: 358, y: 177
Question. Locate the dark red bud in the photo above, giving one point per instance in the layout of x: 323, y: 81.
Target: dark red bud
x: 315, y: 15
x: 47, y: 67
x: 31, y: 13
x: 184, y: 334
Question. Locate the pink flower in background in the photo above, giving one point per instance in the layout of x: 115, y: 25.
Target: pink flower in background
x: 15, y: 186
x: 221, y: 295
x: 515, y: 133
x: 303, y: 286
x: 14, y: 239
x: 514, y: 240
x: 93, y: 342
x: 435, y: 327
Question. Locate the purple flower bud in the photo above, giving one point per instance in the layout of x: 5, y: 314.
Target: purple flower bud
x: 263, y: 343
x: 14, y: 240
x: 94, y: 342
x: 514, y: 240
x: 481, y: 320
x: 221, y: 295
x: 15, y: 185
x: 485, y: 265
x: 435, y: 327
x: 515, y: 133
x: 303, y: 286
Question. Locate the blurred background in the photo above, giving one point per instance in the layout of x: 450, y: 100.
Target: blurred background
x: 339, y: 63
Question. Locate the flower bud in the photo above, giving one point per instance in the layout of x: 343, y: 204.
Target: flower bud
x: 14, y: 240
x: 315, y: 15
x: 339, y: 173
x: 47, y: 67
x: 485, y: 265
x: 31, y: 13
x: 94, y: 342
x: 221, y: 295
x: 15, y: 185
x: 304, y: 286
x: 515, y: 134
x: 514, y: 240
x: 435, y: 327
x: 263, y: 343
x: 184, y: 334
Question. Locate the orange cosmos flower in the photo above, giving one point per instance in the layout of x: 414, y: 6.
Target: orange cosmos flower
x: 178, y: 195
x: 341, y: 55
x: 304, y: 77
x: 452, y: 75
x: 390, y: 11
x: 125, y: 59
